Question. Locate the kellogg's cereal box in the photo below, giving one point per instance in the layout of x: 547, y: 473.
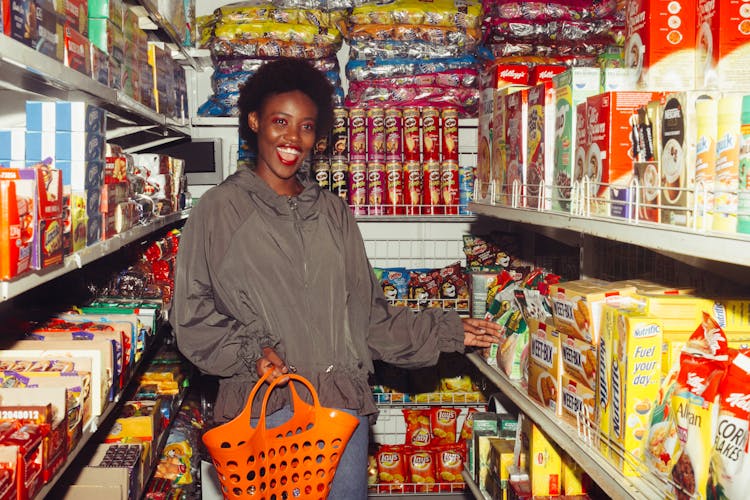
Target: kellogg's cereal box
x: 540, y: 125
x: 516, y: 134
x: 723, y: 44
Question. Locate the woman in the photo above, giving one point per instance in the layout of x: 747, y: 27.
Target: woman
x: 272, y: 274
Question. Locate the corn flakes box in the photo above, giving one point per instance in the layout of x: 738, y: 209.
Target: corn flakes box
x: 545, y: 367
x: 579, y: 360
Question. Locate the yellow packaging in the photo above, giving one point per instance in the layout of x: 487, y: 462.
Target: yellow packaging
x: 652, y: 287
x: 636, y: 376
x: 678, y: 312
x: 576, y: 306
x: 577, y: 401
x: 545, y: 467
x: 727, y: 176
x: 501, y: 457
x: 545, y: 367
x: 672, y: 344
x: 732, y: 314
x: 579, y: 360
x: 572, y: 477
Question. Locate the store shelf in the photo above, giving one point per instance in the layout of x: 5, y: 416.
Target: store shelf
x: 601, y: 471
x: 729, y: 248
x: 214, y: 121
x: 454, y: 399
x: 416, y: 218
x: 156, y: 16
x: 474, y: 487
x: 10, y: 289
x: 450, y: 490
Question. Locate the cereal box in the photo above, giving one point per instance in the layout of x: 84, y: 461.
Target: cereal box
x: 732, y: 314
x: 660, y: 43
x: 723, y: 44
x: 578, y: 402
x: 678, y: 312
x: 540, y: 125
x: 516, y: 134
x: 576, y: 306
x: 572, y: 87
x: 609, y: 158
x: 636, y: 374
x: 545, y: 367
x: 579, y: 360
x: 545, y: 463
x: 484, y: 151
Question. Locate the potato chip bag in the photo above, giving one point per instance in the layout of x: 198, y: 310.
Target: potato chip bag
x: 392, y: 468
x: 422, y: 469
x: 418, y: 432
x: 449, y: 462
x: 465, y: 437
x: 443, y: 422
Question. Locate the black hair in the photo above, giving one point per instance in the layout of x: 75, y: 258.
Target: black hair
x: 280, y: 76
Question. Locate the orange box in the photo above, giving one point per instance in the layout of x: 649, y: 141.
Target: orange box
x: 609, y: 158
x: 723, y: 44
x: 660, y: 43
x: 516, y: 133
x: 540, y: 125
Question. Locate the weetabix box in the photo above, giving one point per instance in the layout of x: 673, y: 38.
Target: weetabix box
x: 723, y: 44
x: 578, y: 402
x: 609, y: 158
x: 572, y: 87
x: 545, y: 367
x: 660, y: 43
x: 579, y: 360
x: 540, y: 125
x: 635, y: 384
x: 516, y: 134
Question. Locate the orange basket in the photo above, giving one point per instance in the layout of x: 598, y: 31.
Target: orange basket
x: 297, y: 459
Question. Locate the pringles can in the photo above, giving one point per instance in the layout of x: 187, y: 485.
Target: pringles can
x: 357, y: 135
x: 340, y: 179
x: 339, y: 141
x: 375, y: 125
x: 430, y: 134
x: 431, y: 188
x: 449, y: 188
x: 358, y: 187
x: 412, y: 143
x: 394, y: 190
x: 449, y: 141
x: 322, y: 173
x: 394, y: 125
x: 376, y: 187
x: 412, y: 187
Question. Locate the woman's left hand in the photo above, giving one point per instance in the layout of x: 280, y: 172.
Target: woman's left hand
x: 481, y: 333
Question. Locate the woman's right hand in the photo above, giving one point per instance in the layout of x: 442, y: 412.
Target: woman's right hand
x: 271, y: 361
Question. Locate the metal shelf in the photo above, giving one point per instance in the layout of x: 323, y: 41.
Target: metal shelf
x: 10, y: 289
x: 601, y: 471
x: 473, y: 486
x: 731, y: 248
x: 153, y: 12
x: 214, y: 121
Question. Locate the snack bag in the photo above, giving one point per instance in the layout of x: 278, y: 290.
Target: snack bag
x: 454, y: 288
x: 392, y: 468
x: 418, y: 431
x: 444, y: 422
x: 423, y: 288
x: 449, y: 462
x: 730, y: 462
x: 395, y: 284
x: 465, y: 436
x: 422, y: 469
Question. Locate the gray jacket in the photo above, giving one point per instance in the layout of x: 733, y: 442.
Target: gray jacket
x: 255, y: 269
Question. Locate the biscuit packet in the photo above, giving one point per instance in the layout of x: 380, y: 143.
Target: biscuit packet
x: 730, y: 461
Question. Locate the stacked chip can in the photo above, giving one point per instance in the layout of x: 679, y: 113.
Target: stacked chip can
x: 449, y: 135
x: 412, y: 187
x: 358, y: 187
x: 393, y: 133
x: 340, y: 179
x: 375, y: 134
x: 431, y: 204
x: 339, y: 140
x: 376, y: 188
x: 357, y: 135
x: 449, y: 188
x: 465, y: 188
x: 394, y: 194
x: 430, y: 134
x: 322, y: 172
x: 412, y: 142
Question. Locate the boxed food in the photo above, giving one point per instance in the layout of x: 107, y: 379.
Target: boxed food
x: 545, y: 367
x: 484, y: 425
x: 77, y: 51
x: 579, y: 360
x: 723, y: 41
x: 540, y: 125
x: 545, y: 463
x: 25, y: 444
x: 516, y: 137
x: 578, y: 402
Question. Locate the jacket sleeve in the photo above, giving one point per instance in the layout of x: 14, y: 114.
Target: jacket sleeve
x: 398, y: 335
x: 215, y: 338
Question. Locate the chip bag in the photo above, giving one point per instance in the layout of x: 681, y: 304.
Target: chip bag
x: 444, y: 422
x: 449, y: 461
x: 418, y: 432
x: 392, y: 468
x: 421, y: 469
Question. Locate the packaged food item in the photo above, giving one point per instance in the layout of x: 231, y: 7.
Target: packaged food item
x: 449, y: 463
x: 422, y: 470
x: 418, y: 432
x: 443, y: 425
x: 546, y: 368
x: 545, y: 464
x: 392, y: 468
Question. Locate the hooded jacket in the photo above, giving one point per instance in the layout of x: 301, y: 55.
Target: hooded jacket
x: 256, y: 269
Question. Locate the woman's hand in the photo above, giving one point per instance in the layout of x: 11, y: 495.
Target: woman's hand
x: 481, y: 333
x: 271, y: 361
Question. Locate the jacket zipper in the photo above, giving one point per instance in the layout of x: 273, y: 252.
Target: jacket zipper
x: 295, y: 214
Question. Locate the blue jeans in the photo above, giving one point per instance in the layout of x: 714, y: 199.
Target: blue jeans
x: 350, y: 481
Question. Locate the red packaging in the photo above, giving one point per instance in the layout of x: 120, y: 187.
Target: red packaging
x: 449, y: 186
x: 394, y: 193
x: 417, y: 427
x: 394, y: 124
x: 340, y: 134
x: 375, y: 135
x: 77, y: 53
x: 376, y: 186
x: 412, y: 141
x: 449, y: 463
x: 412, y: 187
x: 422, y: 470
x: 449, y: 140
x: 357, y: 135
x: 358, y: 187
x: 430, y: 133
x: 16, y: 225
x: 444, y: 424
x: 431, y: 188
x: 544, y: 73
x: 392, y: 469
x: 516, y: 136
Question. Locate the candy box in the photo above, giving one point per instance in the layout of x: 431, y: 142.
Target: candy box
x: 26, y: 444
x: 77, y: 53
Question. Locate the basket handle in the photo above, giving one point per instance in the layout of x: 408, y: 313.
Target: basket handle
x: 247, y: 412
x: 290, y: 377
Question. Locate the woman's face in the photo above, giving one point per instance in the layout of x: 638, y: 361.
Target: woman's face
x: 285, y: 126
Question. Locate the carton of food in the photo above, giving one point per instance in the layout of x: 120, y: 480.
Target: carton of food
x: 545, y: 463
x: 579, y: 359
x: 578, y: 403
x: 516, y: 136
x: 723, y: 44
x: 540, y: 125
x: 545, y: 367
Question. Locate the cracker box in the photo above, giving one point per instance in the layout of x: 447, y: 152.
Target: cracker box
x: 660, y: 43
x: 545, y: 463
x: 516, y: 134
x: 572, y: 87
x: 579, y: 359
x: 540, y: 125
x: 578, y: 402
x: 723, y: 44
x: 609, y: 158
x: 635, y: 383
x: 576, y: 306
x: 545, y: 367
x: 678, y: 312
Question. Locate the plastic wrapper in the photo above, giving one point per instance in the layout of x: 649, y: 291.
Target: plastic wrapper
x: 269, y: 48
x: 466, y: 78
x: 436, y: 13
x: 292, y: 33
x: 389, y: 68
x: 223, y: 105
x: 366, y: 50
x: 363, y: 94
x: 226, y: 66
x: 598, y: 31
x: 243, y: 12
x: 443, y: 35
x: 533, y: 60
x: 319, y: 4
x: 541, y: 11
x: 582, y: 49
x: 233, y: 83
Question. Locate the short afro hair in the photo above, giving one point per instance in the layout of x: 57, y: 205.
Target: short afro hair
x: 280, y: 76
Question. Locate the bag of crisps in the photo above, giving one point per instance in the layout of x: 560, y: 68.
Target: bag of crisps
x: 421, y: 469
x: 418, y: 432
x: 392, y: 468
x: 449, y: 462
x: 444, y: 423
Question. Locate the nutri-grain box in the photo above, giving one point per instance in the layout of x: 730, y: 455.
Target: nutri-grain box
x: 722, y: 44
x: 660, y: 43
x: 609, y: 158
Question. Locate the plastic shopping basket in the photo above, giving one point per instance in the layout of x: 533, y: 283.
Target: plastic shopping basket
x: 294, y: 460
